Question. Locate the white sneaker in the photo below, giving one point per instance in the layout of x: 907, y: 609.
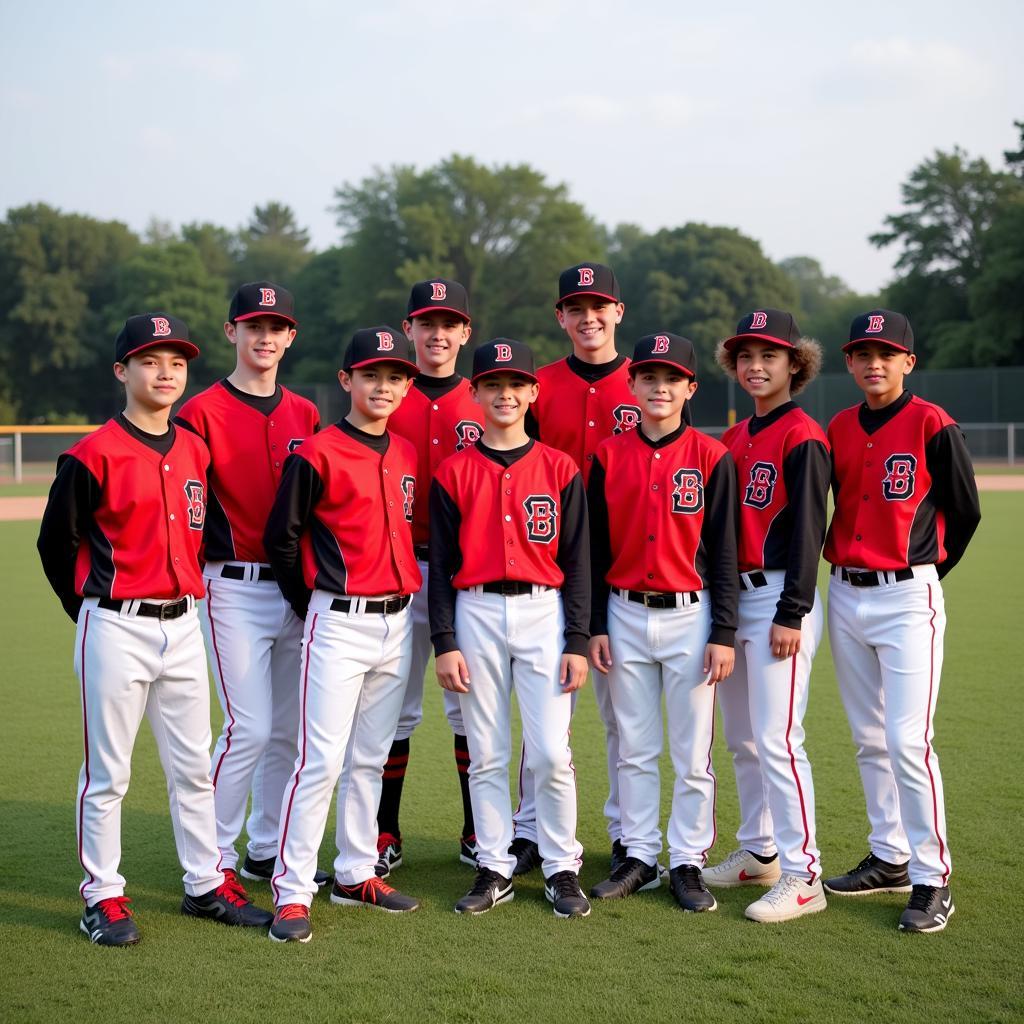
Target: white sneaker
x: 790, y: 897
x: 743, y: 868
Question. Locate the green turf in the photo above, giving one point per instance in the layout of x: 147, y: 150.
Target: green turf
x: 28, y: 489
x: 637, y: 961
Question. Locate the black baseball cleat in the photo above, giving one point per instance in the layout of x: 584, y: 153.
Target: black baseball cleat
x: 687, y: 885
x: 291, y: 924
x: 563, y: 892
x: 227, y: 905
x: 527, y: 855
x: 619, y: 855
x: 389, y: 854
x: 928, y: 910
x: 871, y: 875
x: 467, y: 850
x: 630, y: 876
x: 109, y: 922
x: 263, y: 871
x: 489, y: 889
x: 376, y: 893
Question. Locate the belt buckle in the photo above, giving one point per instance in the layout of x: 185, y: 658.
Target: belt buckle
x: 391, y: 605
x: 166, y: 610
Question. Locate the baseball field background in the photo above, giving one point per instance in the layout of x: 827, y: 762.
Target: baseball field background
x: 639, y: 960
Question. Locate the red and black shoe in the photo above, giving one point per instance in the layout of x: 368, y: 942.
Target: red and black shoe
x: 291, y: 924
x: 374, y: 892
x: 228, y: 904
x: 389, y: 854
x: 109, y: 922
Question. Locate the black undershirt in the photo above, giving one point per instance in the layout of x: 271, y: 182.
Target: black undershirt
x: 436, y: 387
x: 376, y: 442
x: 264, y: 404
x: 160, y: 443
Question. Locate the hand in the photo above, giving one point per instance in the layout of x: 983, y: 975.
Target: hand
x: 719, y: 661
x: 785, y: 642
x: 573, y: 672
x: 600, y: 653
x: 452, y: 672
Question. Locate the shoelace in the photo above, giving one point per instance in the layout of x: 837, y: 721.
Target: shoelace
x: 232, y: 893
x: 384, y: 840
x: 117, y: 908
x: 564, y: 883
x: 485, y: 878
x: 781, y: 890
x: 921, y: 897
x: 626, y: 868
x: 231, y: 879
x: 690, y: 878
x: 734, y: 858
x: 292, y: 910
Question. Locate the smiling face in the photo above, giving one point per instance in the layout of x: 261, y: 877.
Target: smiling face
x: 377, y: 391
x: 261, y: 342
x: 661, y: 391
x: 438, y: 336
x: 879, y: 371
x: 153, y: 379
x: 590, y: 322
x: 505, y: 397
x: 764, y: 371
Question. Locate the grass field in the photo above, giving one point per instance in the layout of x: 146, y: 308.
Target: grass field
x: 637, y: 961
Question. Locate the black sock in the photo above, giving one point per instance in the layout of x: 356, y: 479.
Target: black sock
x: 391, y: 788
x: 462, y: 763
x: 760, y: 859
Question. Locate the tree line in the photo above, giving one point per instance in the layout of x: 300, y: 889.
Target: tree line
x: 67, y: 281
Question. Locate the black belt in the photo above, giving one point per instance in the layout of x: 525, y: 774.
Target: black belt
x: 422, y: 552
x: 756, y: 580
x: 870, y: 577
x: 389, y: 606
x: 510, y: 588
x: 174, y: 610
x: 654, y: 599
x: 237, y: 572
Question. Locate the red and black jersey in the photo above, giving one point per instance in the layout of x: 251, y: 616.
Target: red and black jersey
x: 125, y: 516
x: 782, y: 477
x: 904, y: 488
x: 439, y: 417
x: 342, y: 518
x: 508, y: 515
x: 249, y: 439
x: 663, y: 518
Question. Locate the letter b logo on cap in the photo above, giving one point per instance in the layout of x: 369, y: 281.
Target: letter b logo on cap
x: 268, y: 297
x: 438, y: 291
x: 759, y: 321
x: 161, y: 326
x: 660, y: 345
x: 586, y: 276
x: 875, y: 324
x: 502, y: 353
x: 385, y: 341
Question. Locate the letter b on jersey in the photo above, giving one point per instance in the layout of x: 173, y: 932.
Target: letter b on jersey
x: 761, y: 488
x: 900, y: 471
x: 688, y: 493
x: 541, y: 518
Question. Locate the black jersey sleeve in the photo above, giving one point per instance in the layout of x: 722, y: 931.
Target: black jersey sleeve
x: 444, y: 561
x: 573, y: 558
x: 807, y: 470
x: 74, y: 496
x: 954, y: 492
x: 532, y: 425
x: 297, y: 494
x: 600, y: 549
x: 718, y: 538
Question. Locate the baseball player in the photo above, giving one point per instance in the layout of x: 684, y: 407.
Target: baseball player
x: 906, y: 507
x: 439, y: 417
x: 119, y: 543
x: 339, y: 540
x: 782, y: 466
x: 663, y: 564
x: 509, y: 603
x: 250, y: 424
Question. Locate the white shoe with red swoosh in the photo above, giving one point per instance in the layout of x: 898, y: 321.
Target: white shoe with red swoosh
x: 790, y: 897
x: 742, y: 868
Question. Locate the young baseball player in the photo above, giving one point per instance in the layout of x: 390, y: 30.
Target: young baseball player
x: 250, y: 424
x: 906, y: 507
x: 583, y: 399
x: 509, y: 603
x: 782, y: 467
x: 663, y: 565
x: 440, y: 418
x: 340, y: 542
x: 119, y: 543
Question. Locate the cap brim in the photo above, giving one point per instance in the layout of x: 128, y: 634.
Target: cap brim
x: 397, y: 360
x: 662, y: 362
x: 880, y: 341
x: 267, y: 312
x: 439, y: 309
x: 187, y: 348
x: 574, y: 295
x: 512, y: 371
x: 730, y: 343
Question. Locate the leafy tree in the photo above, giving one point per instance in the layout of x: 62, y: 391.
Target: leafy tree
x: 219, y: 249
x: 272, y: 247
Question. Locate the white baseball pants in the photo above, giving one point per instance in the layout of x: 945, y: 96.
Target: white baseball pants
x: 129, y: 667
x: 763, y: 704
x: 353, y: 673
x: 655, y: 651
x: 516, y: 643
x: 887, y: 648
x: 253, y: 639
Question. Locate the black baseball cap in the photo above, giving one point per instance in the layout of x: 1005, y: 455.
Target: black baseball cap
x: 438, y: 293
x: 262, y: 298
x: 588, y: 279
x: 503, y: 355
x: 668, y: 349
x: 381, y: 344
x: 892, y: 329
x: 772, y: 325
x: 149, y: 330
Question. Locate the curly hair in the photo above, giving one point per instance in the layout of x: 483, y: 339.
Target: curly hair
x: 805, y: 356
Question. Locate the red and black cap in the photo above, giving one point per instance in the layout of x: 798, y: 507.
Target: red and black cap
x: 503, y: 355
x: 381, y: 344
x: 892, y: 329
x: 262, y: 298
x: 588, y: 279
x: 667, y: 349
x: 438, y: 293
x: 150, y: 330
x: 771, y: 325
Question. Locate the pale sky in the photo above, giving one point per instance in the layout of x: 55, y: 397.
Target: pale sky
x: 795, y: 122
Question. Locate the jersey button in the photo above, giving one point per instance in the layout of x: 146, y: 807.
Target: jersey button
x: 866, y: 497
x: 167, y: 468
x: 650, y: 575
x: 871, y: 444
x: 277, y: 465
x: 508, y: 476
x: 511, y: 561
x: 590, y: 458
x: 593, y: 391
x: 858, y: 537
x: 651, y: 537
x: 654, y: 487
x: 271, y: 422
x: 434, y: 407
x: 434, y: 440
x: 385, y: 472
x: 391, y: 504
x: 172, y: 517
x: 508, y: 519
x: 508, y: 491
x: 591, y: 423
x: 657, y: 455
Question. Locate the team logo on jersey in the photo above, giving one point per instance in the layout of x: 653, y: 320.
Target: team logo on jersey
x: 758, y: 321
x: 502, y: 353
x: 294, y: 443
x: 688, y: 493
x: 385, y: 341
x: 586, y: 277
x: 900, y: 471
x: 626, y: 418
x: 438, y: 291
x: 195, y: 492
x: 409, y: 493
x: 660, y: 345
x: 161, y: 326
x: 761, y: 487
x: 268, y: 297
x: 467, y: 432
x: 875, y: 324
x: 541, y: 518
